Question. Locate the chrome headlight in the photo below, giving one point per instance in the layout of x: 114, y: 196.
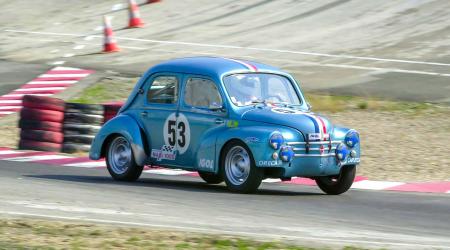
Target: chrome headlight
x: 286, y: 153
x: 342, y: 152
x: 352, y: 138
x: 276, y: 140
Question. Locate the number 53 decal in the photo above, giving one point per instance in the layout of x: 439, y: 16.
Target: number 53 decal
x: 177, y: 132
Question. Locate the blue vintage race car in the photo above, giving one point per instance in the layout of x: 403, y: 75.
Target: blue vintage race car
x: 230, y: 120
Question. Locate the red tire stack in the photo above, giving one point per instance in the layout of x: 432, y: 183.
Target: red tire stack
x: 41, y: 123
x: 111, y: 110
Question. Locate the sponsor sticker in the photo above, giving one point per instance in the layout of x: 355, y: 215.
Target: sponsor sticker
x: 251, y: 139
x: 354, y: 160
x: 207, y: 164
x: 269, y: 163
x: 314, y: 136
x: 232, y: 124
x: 166, y: 152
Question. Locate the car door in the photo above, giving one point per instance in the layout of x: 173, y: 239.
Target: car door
x: 159, y: 114
x: 201, y: 115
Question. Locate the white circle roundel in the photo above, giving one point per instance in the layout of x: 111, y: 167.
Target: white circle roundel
x: 177, y: 132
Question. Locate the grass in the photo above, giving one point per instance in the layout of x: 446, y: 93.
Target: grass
x: 335, y: 104
x: 108, y: 89
x: 37, y: 234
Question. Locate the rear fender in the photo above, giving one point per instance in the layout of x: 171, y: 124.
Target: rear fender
x: 120, y: 125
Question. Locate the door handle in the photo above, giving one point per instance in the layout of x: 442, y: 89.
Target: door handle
x: 144, y: 113
x: 219, y: 121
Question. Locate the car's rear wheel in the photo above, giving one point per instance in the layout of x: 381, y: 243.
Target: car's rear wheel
x: 211, y: 178
x: 238, y: 168
x: 338, y: 184
x: 120, y: 160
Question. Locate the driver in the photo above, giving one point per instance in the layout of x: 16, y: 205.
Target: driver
x: 245, y: 89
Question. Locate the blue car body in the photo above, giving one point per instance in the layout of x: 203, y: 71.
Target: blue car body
x: 309, y: 145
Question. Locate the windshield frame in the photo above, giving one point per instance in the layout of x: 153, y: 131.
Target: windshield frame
x: 293, y: 83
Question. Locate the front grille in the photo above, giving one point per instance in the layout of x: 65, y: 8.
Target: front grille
x: 312, y: 149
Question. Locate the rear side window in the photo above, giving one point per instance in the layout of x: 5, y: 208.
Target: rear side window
x: 164, y: 89
x: 201, y: 93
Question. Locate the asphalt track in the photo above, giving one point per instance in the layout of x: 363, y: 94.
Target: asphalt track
x: 14, y: 74
x: 298, y: 214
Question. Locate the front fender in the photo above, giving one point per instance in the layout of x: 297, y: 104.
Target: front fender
x: 120, y: 125
x: 339, y: 134
x: 256, y: 137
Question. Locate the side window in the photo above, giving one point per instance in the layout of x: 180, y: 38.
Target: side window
x: 164, y: 89
x: 201, y: 93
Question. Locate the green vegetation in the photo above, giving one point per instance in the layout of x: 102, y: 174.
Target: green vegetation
x: 36, y: 234
x: 334, y: 104
x: 106, y: 90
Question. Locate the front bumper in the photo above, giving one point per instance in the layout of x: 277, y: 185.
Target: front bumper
x: 318, y: 158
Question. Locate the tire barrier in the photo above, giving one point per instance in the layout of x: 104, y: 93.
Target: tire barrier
x: 81, y: 124
x: 91, y: 109
x: 50, y: 124
x: 41, y: 115
x: 39, y: 145
x: 42, y: 135
x: 41, y: 123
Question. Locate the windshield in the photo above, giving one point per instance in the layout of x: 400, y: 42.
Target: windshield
x: 248, y: 89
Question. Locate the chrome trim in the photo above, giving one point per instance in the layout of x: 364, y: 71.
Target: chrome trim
x: 314, y: 149
x: 314, y: 155
x: 314, y: 143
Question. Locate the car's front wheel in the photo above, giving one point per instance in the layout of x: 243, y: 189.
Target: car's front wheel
x: 120, y: 160
x: 211, y: 178
x: 338, y: 184
x: 238, y: 168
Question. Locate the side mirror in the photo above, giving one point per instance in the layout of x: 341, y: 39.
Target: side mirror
x: 309, y: 106
x: 216, y: 107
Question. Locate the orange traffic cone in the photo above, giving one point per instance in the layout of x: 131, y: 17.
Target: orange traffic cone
x: 154, y: 1
x: 110, y: 43
x: 135, y: 17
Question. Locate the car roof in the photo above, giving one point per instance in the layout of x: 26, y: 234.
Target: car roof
x: 212, y: 66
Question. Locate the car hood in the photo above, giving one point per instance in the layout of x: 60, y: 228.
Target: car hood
x: 305, y: 122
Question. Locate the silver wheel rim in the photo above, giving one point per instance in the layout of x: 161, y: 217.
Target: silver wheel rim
x: 119, y: 155
x: 237, y: 165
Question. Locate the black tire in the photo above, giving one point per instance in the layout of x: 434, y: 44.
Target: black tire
x: 132, y: 172
x: 89, y: 112
x: 39, y: 145
x: 40, y: 125
x: 211, y: 178
x: 255, y: 175
x: 81, y: 139
x: 42, y: 135
x: 83, y: 118
x: 84, y: 107
x: 75, y: 148
x: 41, y: 115
x: 43, y: 102
x: 335, y: 185
x: 85, y: 129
